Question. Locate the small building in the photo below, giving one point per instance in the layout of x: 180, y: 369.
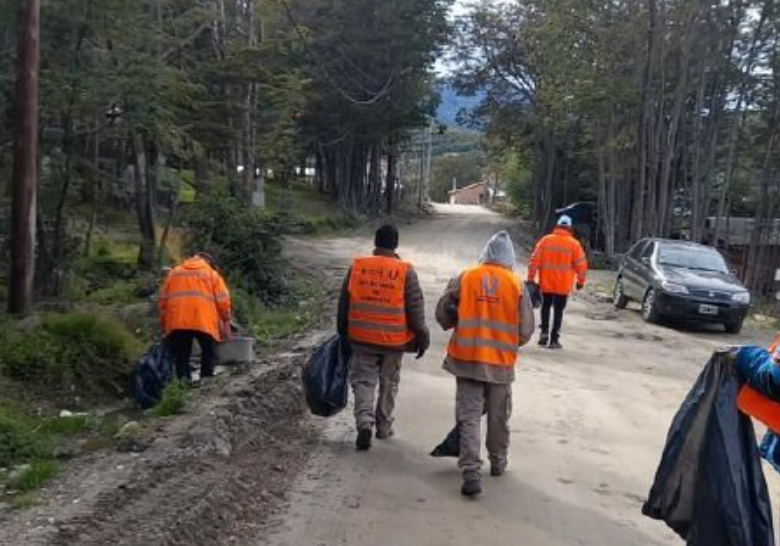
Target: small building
x: 475, y: 194
x: 734, y: 242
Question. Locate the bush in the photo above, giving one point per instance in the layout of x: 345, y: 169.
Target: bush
x: 35, y: 476
x: 74, y: 355
x: 245, y: 242
x: 175, y: 398
x: 18, y: 442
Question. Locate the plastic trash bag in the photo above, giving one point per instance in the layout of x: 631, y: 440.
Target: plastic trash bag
x: 450, y: 447
x: 531, y: 290
x: 326, y: 377
x: 152, y: 373
x: 710, y: 487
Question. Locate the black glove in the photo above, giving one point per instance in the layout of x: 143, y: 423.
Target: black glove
x: 423, y: 342
x: 580, y: 286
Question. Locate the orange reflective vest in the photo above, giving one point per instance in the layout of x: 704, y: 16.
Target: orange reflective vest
x: 557, y: 259
x: 194, y: 297
x: 377, y: 304
x: 758, y: 406
x: 488, y: 329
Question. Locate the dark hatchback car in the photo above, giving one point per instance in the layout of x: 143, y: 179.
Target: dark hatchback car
x: 681, y: 280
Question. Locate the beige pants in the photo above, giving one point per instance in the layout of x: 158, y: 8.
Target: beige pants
x: 473, y: 399
x: 368, y: 370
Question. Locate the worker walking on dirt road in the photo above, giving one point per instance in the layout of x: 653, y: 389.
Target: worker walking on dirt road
x: 485, y: 306
x: 557, y: 260
x: 382, y: 313
x: 194, y: 306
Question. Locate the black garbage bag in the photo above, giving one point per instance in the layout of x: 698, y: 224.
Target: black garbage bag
x: 709, y: 487
x: 152, y: 373
x: 326, y: 377
x: 450, y: 447
x: 532, y: 290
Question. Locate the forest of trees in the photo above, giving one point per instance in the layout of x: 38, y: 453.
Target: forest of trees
x: 663, y: 112
x: 140, y: 98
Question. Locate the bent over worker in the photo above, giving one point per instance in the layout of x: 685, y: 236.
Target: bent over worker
x: 382, y: 313
x: 485, y: 306
x: 194, y: 306
x: 557, y: 259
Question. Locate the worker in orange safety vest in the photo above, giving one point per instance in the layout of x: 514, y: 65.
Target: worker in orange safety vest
x: 382, y: 313
x: 491, y: 319
x: 194, y: 306
x: 557, y: 260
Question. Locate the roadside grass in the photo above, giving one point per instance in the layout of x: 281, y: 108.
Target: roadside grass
x: 174, y: 400
x: 296, y: 311
x: 303, y: 210
x: 34, y: 477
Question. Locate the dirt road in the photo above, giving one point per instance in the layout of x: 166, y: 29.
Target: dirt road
x: 588, y: 427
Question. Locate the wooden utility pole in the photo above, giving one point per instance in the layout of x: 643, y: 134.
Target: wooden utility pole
x: 25, y: 170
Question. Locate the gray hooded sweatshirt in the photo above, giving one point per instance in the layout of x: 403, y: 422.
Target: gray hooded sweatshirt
x: 499, y: 250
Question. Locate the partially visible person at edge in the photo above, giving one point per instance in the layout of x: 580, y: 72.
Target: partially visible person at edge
x: 491, y: 320
x: 759, y: 397
x: 194, y: 306
x: 557, y: 259
x: 382, y: 313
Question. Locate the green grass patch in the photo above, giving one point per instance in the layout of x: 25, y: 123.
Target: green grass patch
x: 21, y: 439
x: 34, y: 477
x: 303, y: 210
x: 76, y: 357
x: 174, y: 400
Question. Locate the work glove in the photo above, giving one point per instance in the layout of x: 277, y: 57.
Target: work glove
x: 580, y: 286
x: 423, y: 342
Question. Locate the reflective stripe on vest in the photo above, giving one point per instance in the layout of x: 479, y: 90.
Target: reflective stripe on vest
x: 759, y: 407
x: 488, y: 330
x: 377, y: 307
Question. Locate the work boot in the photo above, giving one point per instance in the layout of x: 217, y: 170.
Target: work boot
x: 472, y: 487
x: 497, y: 469
x: 544, y: 339
x: 363, y: 442
x: 384, y: 434
x: 555, y: 344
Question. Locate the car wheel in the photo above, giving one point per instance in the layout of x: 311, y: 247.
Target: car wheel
x: 734, y: 327
x: 619, y: 298
x: 649, y: 311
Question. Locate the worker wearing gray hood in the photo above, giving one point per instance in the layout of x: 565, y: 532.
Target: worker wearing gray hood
x: 491, y: 319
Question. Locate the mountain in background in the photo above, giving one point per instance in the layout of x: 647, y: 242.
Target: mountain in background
x: 452, y: 103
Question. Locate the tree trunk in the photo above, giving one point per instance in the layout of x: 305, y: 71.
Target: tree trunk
x: 144, y: 203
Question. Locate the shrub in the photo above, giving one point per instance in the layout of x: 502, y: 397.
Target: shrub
x: 18, y: 442
x: 175, y: 398
x: 35, y: 476
x: 73, y: 354
x: 245, y: 242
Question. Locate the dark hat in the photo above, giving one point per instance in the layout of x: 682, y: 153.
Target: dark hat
x: 208, y: 258
x: 386, y: 237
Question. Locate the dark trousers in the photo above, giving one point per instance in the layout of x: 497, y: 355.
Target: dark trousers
x: 558, y: 303
x: 180, y: 343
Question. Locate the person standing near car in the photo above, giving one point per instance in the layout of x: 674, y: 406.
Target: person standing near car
x: 558, y: 260
x: 382, y: 313
x: 491, y: 319
x: 194, y: 306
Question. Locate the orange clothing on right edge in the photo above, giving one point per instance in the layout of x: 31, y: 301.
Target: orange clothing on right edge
x: 557, y: 259
x: 194, y: 297
x: 752, y: 402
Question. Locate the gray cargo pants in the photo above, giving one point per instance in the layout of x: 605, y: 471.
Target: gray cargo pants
x: 368, y: 369
x: 474, y: 398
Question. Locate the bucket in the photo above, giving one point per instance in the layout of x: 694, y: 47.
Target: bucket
x: 239, y: 350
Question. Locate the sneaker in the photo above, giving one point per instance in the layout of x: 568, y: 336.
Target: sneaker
x: 556, y: 345
x: 385, y: 434
x: 471, y: 487
x: 363, y: 442
x: 544, y: 339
